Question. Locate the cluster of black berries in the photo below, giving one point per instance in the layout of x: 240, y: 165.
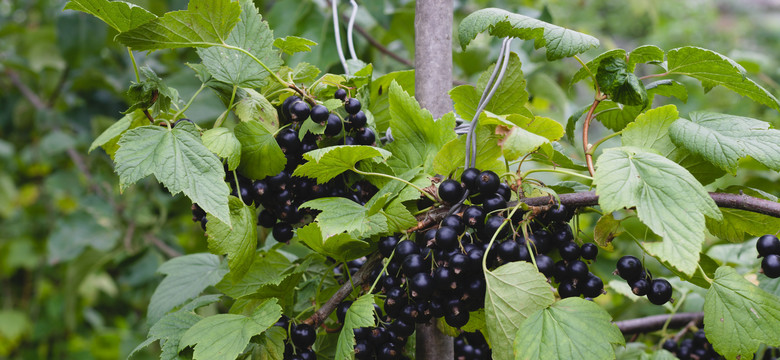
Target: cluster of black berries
x: 471, y: 346
x: 769, y: 248
x: 658, y: 291
x: 383, y: 342
x: 771, y: 354
x: 300, y: 337
x: 199, y: 215
x: 694, y: 348
x: 355, y: 125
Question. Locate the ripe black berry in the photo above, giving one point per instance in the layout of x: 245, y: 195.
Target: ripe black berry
x: 358, y: 120
x: 303, y: 336
x: 629, y: 268
x: 455, y: 222
x: 421, y: 286
x: 541, y: 241
x: 341, y: 311
x: 562, y: 234
x: 640, y: 287
x: 567, y: 290
x: 493, y: 203
x: 340, y: 94
x: 299, y: 111
x: 282, y: 232
x: 504, y: 191
x: 460, y: 263
x: 592, y: 287
x: 470, y: 178
x: 474, y: 216
x: 319, y: 114
x: 558, y: 212
x: 508, y: 251
x: 287, y: 103
x: 365, y: 136
x: 588, y: 251
x: 768, y: 245
x: 570, y: 251
x: 450, y: 191
x: 488, y: 182
x: 670, y: 346
x: 266, y: 219
x: 387, y: 245
x: 700, y: 339
x: 352, y: 106
x: 771, y: 266
x: 334, y: 125
x: 447, y: 238
x: 660, y: 291
x: 577, y: 269
x: 349, y: 140
x: 413, y: 264
x: 546, y: 265
x: 457, y: 320
x: 404, y: 249
x: 492, y: 224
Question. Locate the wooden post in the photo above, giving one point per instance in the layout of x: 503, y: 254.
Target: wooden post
x: 433, y: 79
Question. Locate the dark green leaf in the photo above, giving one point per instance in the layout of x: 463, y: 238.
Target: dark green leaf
x: 261, y: 156
x: 238, y: 241
x: 120, y: 15
x: 325, y: 164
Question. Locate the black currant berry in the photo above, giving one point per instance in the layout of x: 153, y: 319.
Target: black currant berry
x: 444, y: 279
x: 670, y: 346
x: 287, y: 103
x: 404, y: 249
x: 592, y: 287
x: 771, y: 266
x: 488, y: 182
x: 470, y: 178
x: 567, y: 290
x: 455, y: 222
x: 700, y: 339
x: 340, y: 94
x: 450, y: 191
x: 569, y: 252
x: 303, y: 336
x: 365, y: 136
x: 266, y: 219
x: 413, y: 264
x: 299, y: 111
x: 447, y: 238
x: 562, y: 234
x: 577, y: 269
x: 660, y: 291
x: 387, y: 245
x: 341, y: 310
x: 492, y: 224
x: 559, y: 213
x: 640, y: 287
x: 349, y: 140
x: 768, y: 245
x: 475, y: 255
x: 421, y: 286
x: 508, y: 251
x: 282, y: 232
x: 457, y: 320
x: 319, y: 114
x: 358, y: 120
x: 352, y: 106
x: 278, y: 182
x: 474, y: 216
x: 460, y: 263
x: 546, y: 265
x: 588, y: 251
x: 504, y: 191
x: 541, y: 241
x: 363, y: 351
x: 493, y: 203
x: 629, y: 268
x: 334, y: 125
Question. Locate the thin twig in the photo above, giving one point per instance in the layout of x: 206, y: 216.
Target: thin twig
x: 656, y: 322
x: 162, y: 246
x: 585, y: 143
x: 28, y: 94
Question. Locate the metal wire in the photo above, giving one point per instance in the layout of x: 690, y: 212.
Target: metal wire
x: 351, y: 25
x: 334, y: 8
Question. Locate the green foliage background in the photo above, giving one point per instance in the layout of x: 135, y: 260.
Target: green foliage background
x: 78, y: 260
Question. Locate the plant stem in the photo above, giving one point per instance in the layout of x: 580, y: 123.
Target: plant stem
x: 653, y: 76
x: 592, y: 76
x: 187, y: 106
x: 135, y: 66
x: 585, y: 128
x: 592, y: 149
x: 224, y: 115
x: 366, y: 173
x: 565, y: 172
x: 273, y: 74
x: 238, y: 187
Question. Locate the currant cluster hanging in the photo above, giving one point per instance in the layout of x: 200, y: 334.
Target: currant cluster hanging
x: 696, y: 347
x: 768, y: 247
x: 641, y: 281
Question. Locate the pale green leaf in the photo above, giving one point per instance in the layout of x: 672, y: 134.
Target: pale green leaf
x: 237, y: 242
x: 120, y: 15
x: 109, y: 138
x: 522, y: 135
x: 452, y: 157
x: 71, y: 234
x: 713, y: 69
x: 268, y: 268
x: 560, y: 42
x: 360, y: 314
x: 261, y: 156
x: 169, y: 331
x: 668, y: 88
x: 615, y: 116
x: 668, y: 199
x: 325, y: 164
x: 607, y: 229
x: 514, y: 292
x: 738, y: 224
x: 724, y: 139
x: 593, y: 65
x: 204, y: 23
x: 739, y: 316
x: 179, y: 160
x: 187, y: 276
x: 645, y: 54
x: 398, y: 216
x: 341, y: 247
x: 771, y: 286
x: 253, y: 106
x: 651, y: 131
x: 224, y: 144
x: 224, y: 336
x: 293, y: 44
x: 343, y: 215
x: 418, y: 138
x: 379, y: 101
x: 572, y: 328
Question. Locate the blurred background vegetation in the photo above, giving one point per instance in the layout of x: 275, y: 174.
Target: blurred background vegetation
x: 78, y: 259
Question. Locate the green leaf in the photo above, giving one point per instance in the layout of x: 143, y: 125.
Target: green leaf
x: 151, y: 93
x: 379, y: 100
x: 205, y: 23
x: 120, y: 15
x: 724, y: 139
x: 522, y: 135
x: 645, y: 54
x: 253, y: 106
x: 261, y: 156
x: 398, y: 217
x: 623, y: 86
x: 360, y: 314
x: 293, y: 44
x: 325, y: 164
x: 607, y: 229
x: 668, y: 199
x: 713, y: 69
x: 341, y: 247
x: 572, y: 328
x: 73, y: 233
x: 238, y: 242
x: 452, y: 156
x: 109, y: 138
x: 560, y: 42
x: 344, y: 215
x: 771, y: 286
x: 187, y: 276
x: 169, y: 331
x: 418, y: 138
x: 651, y: 131
x: 235, y: 67
x: 514, y: 292
x: 738, y: 224
x: 179, y: 160
x: 739, y: 316
x: 615, y: 116
x: 593, y: 65
x: 668, y: 88
x: 225, y: 336
x: 268, y: 268
x: 222, y: 142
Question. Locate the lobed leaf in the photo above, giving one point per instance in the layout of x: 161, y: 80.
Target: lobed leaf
x: 325, y: 164
x: 344, y: 215
x: 261, y: 156
x: 293, y: 44
x: 120, y: 15
x: 360, y: 314
x: 238, y: 241
x: 222, y: 142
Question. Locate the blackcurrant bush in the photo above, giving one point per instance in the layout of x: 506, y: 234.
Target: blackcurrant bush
x: 493, y: 203
x: 640, y: 287
x: 282, y: 232
x: 488, y: 182
x: 768, y: 245
x: 567, y: 290
x: 365, y: 136
x: 771, y: 266
x: 334, y: 125
x: 340, y: 94
x: 358, y: 120
x: 588, y: 251
x: 303, y: 336
x: 352, y: 106
x: 450, y: 191
x: 421, y: 286
x: 660, y: 292
x: 577, y: 269
x: 299, y: 111
x: 470, y: 178
x: 387, y: 245
x: 319, y: 114
x: 592, y: 287
x: 570, y: 251
x: 474, y: 216
x: 455, y: 222
x: 629, y: 268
